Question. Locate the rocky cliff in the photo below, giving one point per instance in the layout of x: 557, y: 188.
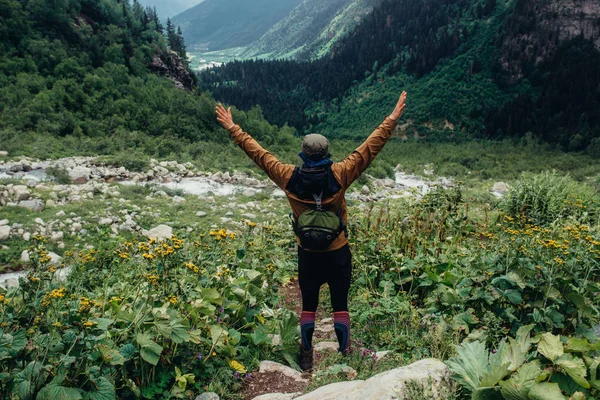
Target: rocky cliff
x: 170, y: 64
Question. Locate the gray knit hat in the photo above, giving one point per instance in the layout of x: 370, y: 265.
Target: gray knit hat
x: 315, y: 146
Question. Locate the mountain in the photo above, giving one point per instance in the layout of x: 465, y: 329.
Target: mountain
x: 100, y: 77
x: 169, y: 8
x: 223, y: 24
x: 488, y: 68
x: 310, y: 29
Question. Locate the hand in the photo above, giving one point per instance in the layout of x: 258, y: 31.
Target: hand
x: 224, y: 117
x: 397, y: 113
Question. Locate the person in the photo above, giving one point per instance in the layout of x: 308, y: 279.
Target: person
x: 316, y: 193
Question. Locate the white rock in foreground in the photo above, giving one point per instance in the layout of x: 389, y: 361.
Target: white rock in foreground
x: 4, y: 232
x: 277, y: 396
x: 387, y: 385
x: 271, y: 366
x: 55, y: 259
x: 33, y: 205
x: 161, y: 232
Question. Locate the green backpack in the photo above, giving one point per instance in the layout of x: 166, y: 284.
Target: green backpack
x: 318, y: 228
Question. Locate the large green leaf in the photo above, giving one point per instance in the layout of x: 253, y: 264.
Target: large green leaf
x: 110, y: 355
x: 486, y: 393
x: 546, y: 391
x: 550, y: 346
x: 288, y: 327
x: 128, y: 350
x: 470, y: 364
x: 55, y: 392
x: 218, y: 334
x: 149, y: 350
x: 575, y: 368
x: 104, y: 390
x: 580, y: 345
x: 497, y: 367
x: 518, y: 386
x: 212, y: 296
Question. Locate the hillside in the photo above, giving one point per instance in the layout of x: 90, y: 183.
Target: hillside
x: 223, y: 24
x: 99, y: 78
x: 460, y: 62
x: 169, y: 8
x: 310, y: 29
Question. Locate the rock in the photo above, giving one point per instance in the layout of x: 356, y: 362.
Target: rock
x: 208, y: 396
x: 391, y: 384
x: 275, y: 339
x: 323, y: 347
x: 161, y: 193
x: 80, y: 174
x: 76, y: 227
x: 32, y: 205
x: 4, y: 222
x: 382, y: 354
x: 57, y: 237
x: 3, y: 153
x: 4, y: 232
x: 50, y: 203
x: 365, y: 190
x: 39, y: 221
x: 27, y: 236
x: 105, y: 221
x: 499, y: 189
x: 250, y: 216
x: 201, y: 214
x: 390, y: 183
x: 178, y: 200
x: 277, y: 396
x: 249, y: 192
x: 160, y: 232
x: 61, y: 213
x: 55, y: 259
x: 229, y: 214
x: 21, y: 192
x: 271, y: 366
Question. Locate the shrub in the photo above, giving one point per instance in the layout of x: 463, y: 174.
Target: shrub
x: 136, y: 162
x: 59, y: 174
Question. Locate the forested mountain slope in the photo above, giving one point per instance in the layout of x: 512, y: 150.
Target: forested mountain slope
x: 460, y: 62
x: 222, y: 24
x: 85, y: 76
x: 310, y: 29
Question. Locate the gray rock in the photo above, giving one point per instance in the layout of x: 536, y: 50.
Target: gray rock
x: 365, y: 190
x: 80, y: 174
x: 277, y: 396
x: 50, y: 203
x: 161, y: 193
x: 4, y: 232
x: 178, y: 200
x: 324, y: 347
x: 4, y: 222
x: 383, y: 354
x: 271, y: 366
x: 61, y: 213
x: 55, y: 259
x: 3, y: 153
x: 105, y: 221
x: 387, y: 385
x: 249, y: 216
x: 499, y: 189
x: 40, y: 221
x: 201, y: 214
x: 27, y: 236
x: 249, y: 192
x: 229, y: 214
x: 390, y: 183
x: 275, y: 339
x: 21, y: 192
x: 32, y: 205
x: 76, y: 227
x: 57, y: 237
x: 208, y: 396
x: 160, y: 232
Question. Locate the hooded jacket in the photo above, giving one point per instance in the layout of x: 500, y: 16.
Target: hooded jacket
x: 345, y: 172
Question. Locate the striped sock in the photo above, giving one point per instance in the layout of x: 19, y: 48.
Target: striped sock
x: 341, y: 323
x: 307, y: 327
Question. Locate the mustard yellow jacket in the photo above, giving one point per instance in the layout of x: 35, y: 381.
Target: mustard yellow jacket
x: 345, y: 172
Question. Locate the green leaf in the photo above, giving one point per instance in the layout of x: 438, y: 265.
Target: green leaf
x: 288, y: 327
x: 575, y: 368
x: 251, y: 274
x: 497, y: 367
x: 470, y: 364
x: 103, y: 323
x: 217, y: 334
x: 54, y: 392
x: 578, y: 396
x: 578, y: 345
x: 104, y: 390
x: 128, y: 351
x: 150, y: 350
x: 550, y: 346
x: 212, y: 296
x: 519, y: 385
x: 486, y: 393
x: 514, y: 296
x: 546, y: 391
x: 109, y: 355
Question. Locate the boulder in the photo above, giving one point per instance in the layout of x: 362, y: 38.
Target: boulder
x: 201, y: 214
x: 249, y: 192
x: 160, y: 232
x: 178, y: 200
x: 499, y: 189
x: 271, y: 366
x: 208, y: 396
x: 277, y: 396
x: 80, y: 174
x: 4, y: 222
x: 50, y: 203
x: 250, y: 216
x: 76, y: 227
x: 3, y: 153
x: 387, y: 385
x: 57, y: 237
x: 390, y: 183
x: 55, y: 259
x: 105, y: 221
x: 4, y: 232
x: 324, y: 347
x: 21, y: 192
x: 27, y: 236
x: 365, y: 190
x: 32, y: 205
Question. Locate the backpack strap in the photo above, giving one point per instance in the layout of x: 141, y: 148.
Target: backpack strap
x: 318, y: 200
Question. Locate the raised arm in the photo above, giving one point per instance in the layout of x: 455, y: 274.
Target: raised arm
x: 357, y: 162
x: 277, y: 171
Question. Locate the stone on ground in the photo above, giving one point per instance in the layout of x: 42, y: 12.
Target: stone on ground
x: 4, y: 222
x: 277, y: 396
x: 80, y: 174
x: 55, y: 259
x: 201, y: 214
x: 324, y: 347
x: 178, y: 200
x: 387, y: 385
x: 499, y: 189
x: 160, y: 232
x: 208, y: 396
x: 271, y: 366
x: 32, y: 205
x: 4, y: 232
x: 365, y: 190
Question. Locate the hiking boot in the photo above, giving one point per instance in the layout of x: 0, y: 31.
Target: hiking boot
x: 306, y: 359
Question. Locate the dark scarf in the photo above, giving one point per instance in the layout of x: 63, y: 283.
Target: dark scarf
x: 310, y: 163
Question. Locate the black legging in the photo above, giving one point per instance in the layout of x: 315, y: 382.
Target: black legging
x: 333, y: 268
